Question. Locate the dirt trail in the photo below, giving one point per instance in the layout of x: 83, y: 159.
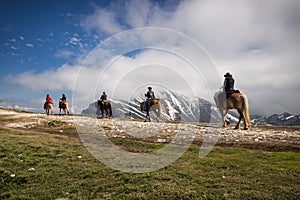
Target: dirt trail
x: 268, y: 138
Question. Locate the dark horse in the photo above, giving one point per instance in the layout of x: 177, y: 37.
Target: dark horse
x: 105, y: 105
x: 154, y: 104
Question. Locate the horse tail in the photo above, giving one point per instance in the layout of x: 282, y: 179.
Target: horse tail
x: 246, y: 109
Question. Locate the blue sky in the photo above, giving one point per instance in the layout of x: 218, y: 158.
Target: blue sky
x: 43, y: 43
x: 41, y: 35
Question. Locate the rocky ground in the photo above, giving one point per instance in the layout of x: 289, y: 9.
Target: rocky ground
x: 270, y: 138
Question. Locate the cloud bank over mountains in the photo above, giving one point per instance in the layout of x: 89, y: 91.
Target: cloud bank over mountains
x: 257, y: 41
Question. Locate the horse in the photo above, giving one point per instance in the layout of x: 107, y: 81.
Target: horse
x: 105, y: 105
x: 49, y: 106
x: 236, y: 101
x: 65, y: 106
x: 152, y: 104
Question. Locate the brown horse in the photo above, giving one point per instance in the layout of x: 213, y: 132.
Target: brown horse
x: 65, y: 106
x: 154, y: 104
x: 105, y: 105
x: 49, y: 106
x: 236, y: 101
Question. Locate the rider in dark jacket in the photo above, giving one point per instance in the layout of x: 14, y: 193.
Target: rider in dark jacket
x: 63, y: 98
x: 150, y: 95
x: 228, y: 84
x: 103, y: 97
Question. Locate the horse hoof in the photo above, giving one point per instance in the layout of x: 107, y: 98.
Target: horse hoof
x: 245, y: 129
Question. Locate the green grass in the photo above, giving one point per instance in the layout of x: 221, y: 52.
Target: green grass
x: 226, y: 173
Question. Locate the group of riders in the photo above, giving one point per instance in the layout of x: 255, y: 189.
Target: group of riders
x: 228, y: 88
x: 62, y: 100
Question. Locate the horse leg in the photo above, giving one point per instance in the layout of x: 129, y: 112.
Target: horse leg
x: 147, y: 116
x: 245, y: 122
x: 157, y: 113
x: 245, y: 125
x: 110, y: 112
x: 240, y: 118
x: 224, y: 113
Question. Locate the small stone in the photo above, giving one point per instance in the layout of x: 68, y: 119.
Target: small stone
x: 161, y: 140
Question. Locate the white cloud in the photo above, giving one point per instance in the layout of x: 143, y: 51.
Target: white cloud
x: 74, y: 40
x: 14, y: 48
x: 59, y: 79
x: 64, y: 54
x: 257, y: 41
x: 29, y: 45
x: 103, y: 21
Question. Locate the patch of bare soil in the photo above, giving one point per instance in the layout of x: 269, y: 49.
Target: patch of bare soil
x: 269, y: 138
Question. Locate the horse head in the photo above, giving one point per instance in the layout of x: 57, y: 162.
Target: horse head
x: 142, y: 105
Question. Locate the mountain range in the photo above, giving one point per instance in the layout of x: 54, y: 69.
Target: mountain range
x: 177, y: 107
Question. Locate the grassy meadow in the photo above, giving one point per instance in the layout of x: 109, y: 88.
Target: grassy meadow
x: 36, y: 165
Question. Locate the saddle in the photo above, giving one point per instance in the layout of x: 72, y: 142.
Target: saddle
x: 230, y: 93
x: 148, y: 104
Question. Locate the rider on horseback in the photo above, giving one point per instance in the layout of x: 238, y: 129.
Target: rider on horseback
x: 102, y: 99
x: 48, y: 100
x: 228, y: 84
x: 150, y: 95
x: 61, y: 100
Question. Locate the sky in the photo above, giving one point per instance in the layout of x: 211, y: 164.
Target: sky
x: 81, y: 48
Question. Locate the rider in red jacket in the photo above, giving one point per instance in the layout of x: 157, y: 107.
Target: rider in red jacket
x: 49, y: 99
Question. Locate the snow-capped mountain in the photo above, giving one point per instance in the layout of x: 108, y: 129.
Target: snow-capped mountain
x: 284, y: 119
x: 174, y: 107
x: 177, y: 107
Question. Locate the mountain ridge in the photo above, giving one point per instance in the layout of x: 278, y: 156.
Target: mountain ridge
x: 178, y: 107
